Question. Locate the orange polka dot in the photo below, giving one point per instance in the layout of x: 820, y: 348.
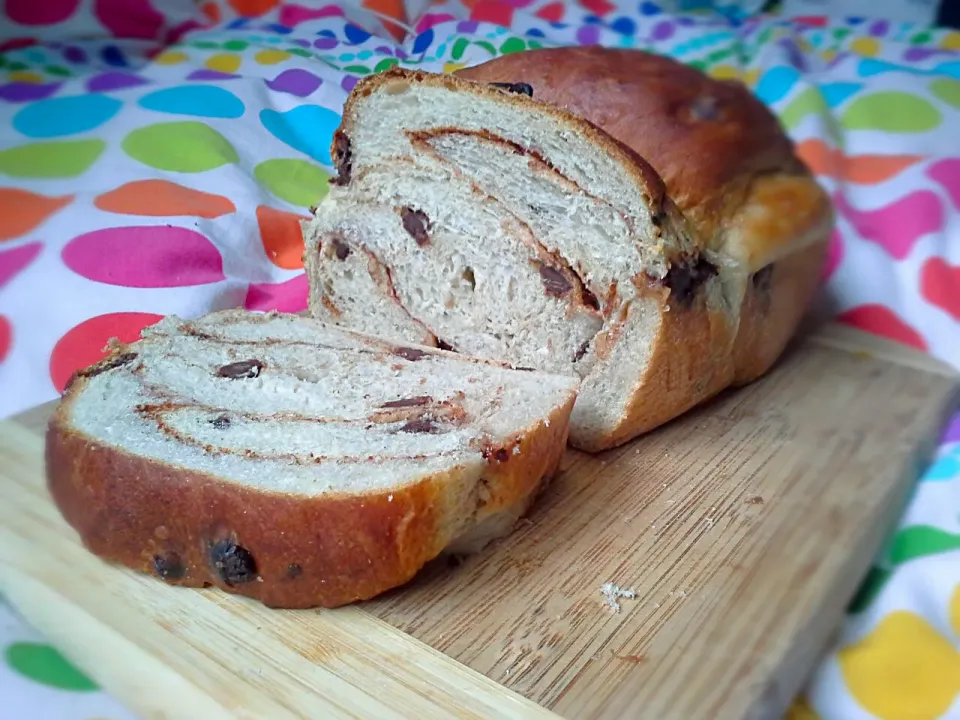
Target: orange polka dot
x: 861, y: 169
x: 252, y: 8
x: 162, y: 198
x: 86, y: 343
x: 22, y: 211
x: 212, y: 12
x: 6, y: 338
x: 281, y: 236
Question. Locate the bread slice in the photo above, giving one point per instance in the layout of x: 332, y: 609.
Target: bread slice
x: 507, y: 212
x: 297, y: 463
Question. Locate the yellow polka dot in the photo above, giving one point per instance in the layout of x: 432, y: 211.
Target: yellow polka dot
x: 750, y: 77
x: 171, y: 57
x: 450, y: 67
x: 865, y: 46
x: 903, y: 670
x: 25, y: 76
x: 955, y: 610
x: 828, y: 54
x: 951, y: 41
x: 804, y: 45
x: 801, y: 710
x: 271, y: 57
x: 724, y: 72
x: 224, y: 62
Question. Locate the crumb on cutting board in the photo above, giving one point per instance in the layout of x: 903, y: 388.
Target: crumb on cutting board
x: 612, y: 594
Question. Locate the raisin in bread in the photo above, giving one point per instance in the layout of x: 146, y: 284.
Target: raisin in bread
x: 605, y: 213
x: 294, y: 462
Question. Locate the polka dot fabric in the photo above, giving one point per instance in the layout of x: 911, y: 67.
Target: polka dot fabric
x: 141, y: 176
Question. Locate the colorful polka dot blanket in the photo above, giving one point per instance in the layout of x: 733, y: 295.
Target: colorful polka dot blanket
x: 155, y: 158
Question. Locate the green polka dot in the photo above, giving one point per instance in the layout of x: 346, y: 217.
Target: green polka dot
x: 17, y: 65
x: 386, y: 64
x: 57, y: 70
x: 513, y: 45
x: 921, y: 38
x: 205, y: 45
x: 43, y: 664
x: 50, y: 159
x: 300, y: 51
x: 948, y: 90
x: 809, y: 102
x: 459, y: 47
x: 486, y: 46
x: 236, y: 45
x: 180, y: 147
x: 921, y: 540
x: 891, y: 111
x: 296, y: 181
x: 357, y: 69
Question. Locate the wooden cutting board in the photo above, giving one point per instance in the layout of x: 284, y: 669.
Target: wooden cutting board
x: 743, y: 529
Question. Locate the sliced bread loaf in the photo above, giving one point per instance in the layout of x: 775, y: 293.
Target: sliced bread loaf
x: 294, y: 462
x: 508, y: 212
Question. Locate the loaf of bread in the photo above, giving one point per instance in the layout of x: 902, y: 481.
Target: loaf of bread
x: 297, y: 463
x: 608, y: 214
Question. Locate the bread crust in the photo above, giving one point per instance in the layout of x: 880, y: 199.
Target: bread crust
x: 326, y: 550
x: 732, y: 183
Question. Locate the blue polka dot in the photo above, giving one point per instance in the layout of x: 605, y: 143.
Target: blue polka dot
x: 947, y: 467
x: 237, y: 24
x: 535, y: 32
x: 197, y: 100
x: 649, y: 8
x: 277, y: 28
x: 592, y: 20
x: 355, y: 34
x: 624, y: 25
x: 776, y: 83
x: 835, y: 93
x: 423, y: 41
x: 65, y: 115
x: 308, y: 128
x: 112, y: 56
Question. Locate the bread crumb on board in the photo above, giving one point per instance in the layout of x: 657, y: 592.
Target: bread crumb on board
x: 612, y: 594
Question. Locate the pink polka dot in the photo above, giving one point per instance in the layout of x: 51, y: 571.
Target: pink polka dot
x: 84, y: 343
x: 40, y: 12
x: 834, y: 256
x: 898, y: 226
x: 13, y: 261
x: 289, y: 296
x: 292, y: 15
x: 947, y: 173
x: 129, y: 18
x: 155, y: 256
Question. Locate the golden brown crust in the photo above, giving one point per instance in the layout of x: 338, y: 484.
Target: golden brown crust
x: 324, y: 550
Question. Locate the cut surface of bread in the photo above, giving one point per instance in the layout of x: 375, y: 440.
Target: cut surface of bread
x: 295, y: 462
x: 509, y: 227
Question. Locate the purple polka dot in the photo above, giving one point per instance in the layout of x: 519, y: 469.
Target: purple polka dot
x: 301, y: 42
x: 384, y: 50
x: 325, y: 43
x: 74, y: 54
x: 588, y: 35
x: 296, y: 82
x: 401, y: 54
x: 952, y: 433
x: 348, y: 82
x: 663, y: 30
x: 205, y: 74
x: 879, y: 28
x: 467, y: 26
x: 27, y: 92
x: 914, y: 54
x: 114, y: 81
x: 794, y: 56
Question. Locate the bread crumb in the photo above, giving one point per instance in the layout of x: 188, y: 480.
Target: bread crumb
x: 546, y: 421
x: 612, y: 593
x: 709, y: 522
x: 754, y: 500
x: 516, y: 449
x: 389, y: 498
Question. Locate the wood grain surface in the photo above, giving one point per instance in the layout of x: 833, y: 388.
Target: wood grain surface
x: 743, y: 528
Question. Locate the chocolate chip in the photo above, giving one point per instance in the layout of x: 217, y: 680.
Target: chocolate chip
x: 499, y: 454
x: 411, y: 354
x: 294, y: 571
x: 525, y: 369
x: 169, y: 566
x: 108, y: 364
x: 685, y: 278
x: 443, y: 345
x: 340, y: 248
x: 245, y: 369
x: 220, y: 422
x: 342, y: 158
x: 469, y: 278
x: 581, y: 351
x: 554, y: 281
x: 417, y: 225
x: 519, y: 88
x: 763, y: 277
x: 420, y: 425
x: 232, y: 563
x: 656, y: 219
x: 590, y: 300
x: 408, y: 402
